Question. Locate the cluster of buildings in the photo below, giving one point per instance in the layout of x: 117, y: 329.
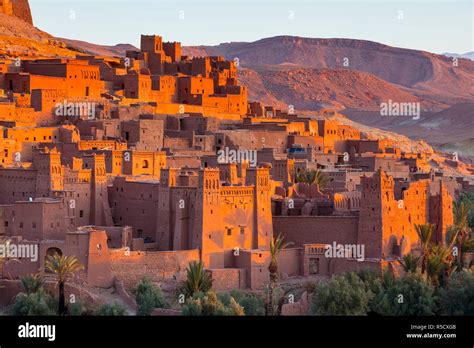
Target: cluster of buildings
x: 139, y: 165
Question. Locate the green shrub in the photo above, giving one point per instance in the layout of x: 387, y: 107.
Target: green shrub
x: 37, y: 303
x: 32, y: 283
x: 115, y: 309
x: 253, y: 304
x: 209, y: 304
x: 76, y: 309
x: 342, y: 295
x: 148, y: 297
x: 197, y: 279
x: 457, y: 298
x: 410, y: 295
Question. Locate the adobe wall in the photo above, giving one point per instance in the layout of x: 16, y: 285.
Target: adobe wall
x: 10, y: 288
x: 289, y: 262
x: 183, y: 161
x: 228, y: 278
x: 170, y: 108
x: 342, y: 266
x: 255, y: 263
x: 98, y: 261
x: 17, y: 184
x: 16, y: 268
x: 316, y: 229
x: 131, y: 267
x: 254, y: 140
x: 135, y: 204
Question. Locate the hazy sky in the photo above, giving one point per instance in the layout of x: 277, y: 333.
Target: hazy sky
x: 436, y: 26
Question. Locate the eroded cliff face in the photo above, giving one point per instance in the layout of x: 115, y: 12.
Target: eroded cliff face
x: 18, y: 8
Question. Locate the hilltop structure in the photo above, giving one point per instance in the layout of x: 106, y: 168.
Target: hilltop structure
x: 139, y: 165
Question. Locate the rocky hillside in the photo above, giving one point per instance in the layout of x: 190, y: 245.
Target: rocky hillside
x: 424, y: 74
x: 440, y: 157
x: 118, y: 50
x: 451, y: 129
x: 354, y: 76
x: 429, y: 78
x: 20, y: 39
x: 313, y: 89
x: 21, y: 9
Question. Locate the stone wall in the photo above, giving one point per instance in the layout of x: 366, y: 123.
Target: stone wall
x: 316, y: 229
x: 228, y: 278
x: 132, y: 266
x: 289, y: 262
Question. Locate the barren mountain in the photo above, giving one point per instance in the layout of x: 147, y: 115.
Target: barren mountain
x: 355, y: 76
x: 312, y: 89
x: 450, y: 125
x: 118, y: 50
x: 427, y: 75
x: 467, y: 55
x: 450, y: 130
x: 440, y: 155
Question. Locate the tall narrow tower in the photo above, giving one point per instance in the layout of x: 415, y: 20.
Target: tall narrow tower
x: 50, y: 176
x: 377, y: 193
x: 166, y: 213
x: 263, y: 225
x: 208, y: 224
x: 99, y: 199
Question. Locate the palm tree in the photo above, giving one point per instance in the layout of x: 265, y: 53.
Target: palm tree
x: 452, y: 234
x: 410, y: 263
x: 63, y: 267
x: 32, y: 283
x: 276, y: 245
x: 424, y: 234
x: 461, y: 213
x: 311, y: 177
x: 198, y: 280
x: 461, y: 233
x: 466, y: 245
x: 439, y: 264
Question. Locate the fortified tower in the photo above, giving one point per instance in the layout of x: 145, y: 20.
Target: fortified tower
x: 377, y: 192
x: 263, y: 226
x: 151, y: 44
x: 208, y: 227
x: 441, y: 212
x: 165, y: 221
x: 50, y: 175
x: 99, y: 212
